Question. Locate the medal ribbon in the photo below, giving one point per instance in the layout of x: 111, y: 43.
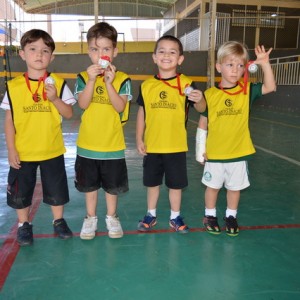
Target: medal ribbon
x: 243, y: 86
x: 35, y: 94
x: 237, y: 92
x: 178, y: 87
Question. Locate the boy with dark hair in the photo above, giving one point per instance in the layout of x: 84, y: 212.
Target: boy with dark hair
x: 103, y: 94
x: 35, y: 103
x: 161, y: 135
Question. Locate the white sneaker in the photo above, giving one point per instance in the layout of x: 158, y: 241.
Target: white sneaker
x: 114, y: 227
x: 89, y: 228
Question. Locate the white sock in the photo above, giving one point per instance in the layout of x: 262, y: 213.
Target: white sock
x: 21, y: 224
x: 231, y: 212
x: 152, y: 212
x: 109, y: 217
x: 211, y: 212
x: 174, y: 214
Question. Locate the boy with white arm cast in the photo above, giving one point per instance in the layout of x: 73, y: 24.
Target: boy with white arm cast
x: 226, y: 125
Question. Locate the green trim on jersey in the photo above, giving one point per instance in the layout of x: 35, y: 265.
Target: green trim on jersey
x: 100, y: 155
x: 125, y: 89
x: 100, y: 133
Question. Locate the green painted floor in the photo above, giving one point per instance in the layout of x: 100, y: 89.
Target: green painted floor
x: 262, y: 263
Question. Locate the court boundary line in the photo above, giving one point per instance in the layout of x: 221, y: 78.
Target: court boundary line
x: 286, y: 158
x: 10, y: 247
x: 291, y: 160
x: 157, y: 231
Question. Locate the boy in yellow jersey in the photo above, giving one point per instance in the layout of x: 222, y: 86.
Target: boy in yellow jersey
x: 103, y: 93
x: 35, y: 103
x: 161, y: 135
x: 226, y: 120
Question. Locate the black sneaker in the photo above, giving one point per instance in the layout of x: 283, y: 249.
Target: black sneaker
x: 211, y: 225
x: 61, y: 229
x: 24, y: 235
x: 232, y: 227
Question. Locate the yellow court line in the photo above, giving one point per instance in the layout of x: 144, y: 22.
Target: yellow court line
x: 136, y: 77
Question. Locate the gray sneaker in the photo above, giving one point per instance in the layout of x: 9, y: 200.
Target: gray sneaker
x: 114, y: 227
x: 89, y: 228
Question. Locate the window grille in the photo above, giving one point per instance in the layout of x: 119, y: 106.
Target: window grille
x: 258, y: 18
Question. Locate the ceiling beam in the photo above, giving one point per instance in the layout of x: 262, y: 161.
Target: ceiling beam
x: 36, y: 7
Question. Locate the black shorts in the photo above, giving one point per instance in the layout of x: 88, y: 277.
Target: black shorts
x: 21, y: 183
x: 93, y: 174
x: 172, y: 165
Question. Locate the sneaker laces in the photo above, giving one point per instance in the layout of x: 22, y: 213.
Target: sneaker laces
x: 211, y: 221
x: 114, y: 223
x: 25, y: 230
x: 231, y: 222
x: 179, y: 221
x: 148, y: 219
x: 89, y: 222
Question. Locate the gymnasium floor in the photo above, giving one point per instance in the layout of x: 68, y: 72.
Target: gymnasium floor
x: 262, y: 263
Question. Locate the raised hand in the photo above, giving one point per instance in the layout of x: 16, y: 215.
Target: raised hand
x: 262, y: 56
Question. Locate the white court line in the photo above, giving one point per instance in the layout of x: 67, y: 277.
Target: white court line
x: 293, y: 161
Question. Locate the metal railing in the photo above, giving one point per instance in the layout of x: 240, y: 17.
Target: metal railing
x: 286, y: 70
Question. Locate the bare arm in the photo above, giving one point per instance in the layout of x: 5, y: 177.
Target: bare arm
x: 64, y: 109
x: 197, y: 97
x: 117, y: 101
x: 262, y: 58
x: 85, y: 97
x: 13, y: 155
x: 140, y: 128
x: 202, y: 122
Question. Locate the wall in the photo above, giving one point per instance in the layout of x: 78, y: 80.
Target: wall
x: 140, y: 66
x: 78, y: 48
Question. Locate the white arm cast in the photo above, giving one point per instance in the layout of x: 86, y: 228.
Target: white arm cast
x: 200, y: 144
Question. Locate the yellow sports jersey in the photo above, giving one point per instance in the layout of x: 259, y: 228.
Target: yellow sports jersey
x: 101, y: 125
x: 165, y: 114
x: 38, y: 124
x: 228, y: 124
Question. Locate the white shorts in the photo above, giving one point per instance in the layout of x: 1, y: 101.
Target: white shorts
x: 233, y: 175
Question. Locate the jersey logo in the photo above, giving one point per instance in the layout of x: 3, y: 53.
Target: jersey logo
x: 163, y: 95
x: 100, y: 90
x: 37, y: 98
x: 228, y: 102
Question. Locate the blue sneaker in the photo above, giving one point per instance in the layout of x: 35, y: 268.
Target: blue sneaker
x: 178, y: 225
x: 147, y: 223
